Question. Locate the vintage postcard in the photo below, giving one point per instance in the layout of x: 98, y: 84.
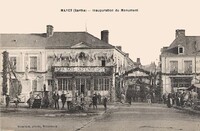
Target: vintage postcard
x: 85, y: 65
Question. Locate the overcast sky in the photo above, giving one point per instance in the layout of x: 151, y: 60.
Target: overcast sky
x: 141, y: 34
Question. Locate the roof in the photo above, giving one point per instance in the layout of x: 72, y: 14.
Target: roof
x: 191, y: 46
x: 150, y: 68
x: 138, y: 69
x: 58, y: 40
x: 130, y: 64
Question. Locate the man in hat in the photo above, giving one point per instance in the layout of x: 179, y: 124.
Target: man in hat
x: 69, y: 99
x: 56, y: 99
x: 7, y: 101
x: 63, y: 99
x: 94, y: 101
x: 105, y: 100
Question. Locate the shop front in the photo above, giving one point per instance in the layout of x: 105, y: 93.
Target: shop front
x: 83, y: 80
x: 180, y: 83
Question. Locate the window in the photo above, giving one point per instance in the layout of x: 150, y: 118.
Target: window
x: 101, y: 84
x: 78, y: 83
x: 174, y: 67
x: 50, y: 82
x: 188, y: 66
x: 59, y: 84
x: 95, y: 84
x: 64, y: 84
x: 33, y: 63
x: 83, y: 84
x: 88, y: 84
x: 34, y: 85
x: 180, y: 50
x: 103, y: 63
x: 107, y: 81
x: 181, y: 82
x: 13, y: 63
x: 69, y: 84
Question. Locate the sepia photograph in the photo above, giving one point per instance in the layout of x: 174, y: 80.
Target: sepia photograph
x: 126, y: 65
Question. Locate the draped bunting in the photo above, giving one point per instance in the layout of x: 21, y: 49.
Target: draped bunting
x: 74, y: 57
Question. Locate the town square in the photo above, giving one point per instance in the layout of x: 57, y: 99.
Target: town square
x: 95, y: 66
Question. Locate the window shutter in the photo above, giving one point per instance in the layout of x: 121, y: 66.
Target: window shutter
x: 34, y: 85
x: 18, y: 66
x: 21, y: 61
x: 39, y: 62
x: 25, y: 61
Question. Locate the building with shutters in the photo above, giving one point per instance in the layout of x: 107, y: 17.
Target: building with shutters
x: 77, y: 62
x: 180, y: 62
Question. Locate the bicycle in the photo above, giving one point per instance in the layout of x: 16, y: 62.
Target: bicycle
x: 78, y: 106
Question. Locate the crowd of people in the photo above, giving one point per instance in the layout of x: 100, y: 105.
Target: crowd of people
x: 66, y: 97
x: 16, y: 100
x: 180, y: 98
x: 148, y: 97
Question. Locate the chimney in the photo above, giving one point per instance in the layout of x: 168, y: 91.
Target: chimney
x: 119, y: 47
x: 163, y: 49
x: 180, y: 32
x: 49, y: 30
x: 104, y: 35
x: 138, y: 61
x: 127, y: 55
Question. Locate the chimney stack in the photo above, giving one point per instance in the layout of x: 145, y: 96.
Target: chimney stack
x: 104, y: 35
x: 163, y: 49
x: 127, y: 54
x: 180, y: 32
x: 119, y: 47
x: 138, y: 61
x: 49, y: 30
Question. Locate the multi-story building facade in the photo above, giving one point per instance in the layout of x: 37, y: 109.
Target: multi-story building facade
x: 180, y: 63
x: 77, y: 62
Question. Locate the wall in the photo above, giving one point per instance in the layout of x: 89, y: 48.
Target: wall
x: 180, y: 63
x: 22, y: 57
x: 53, y: 57
x: 166, y: 69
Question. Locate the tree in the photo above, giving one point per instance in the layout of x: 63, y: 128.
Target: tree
x: 5, y: 72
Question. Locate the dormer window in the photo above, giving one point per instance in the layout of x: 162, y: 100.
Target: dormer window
x: 180, y: 50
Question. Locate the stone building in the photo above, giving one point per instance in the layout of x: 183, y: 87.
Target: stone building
x: 77, y: 62
x: 180, y: 62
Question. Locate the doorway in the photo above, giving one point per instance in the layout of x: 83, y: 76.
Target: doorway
x: 83, y: 89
